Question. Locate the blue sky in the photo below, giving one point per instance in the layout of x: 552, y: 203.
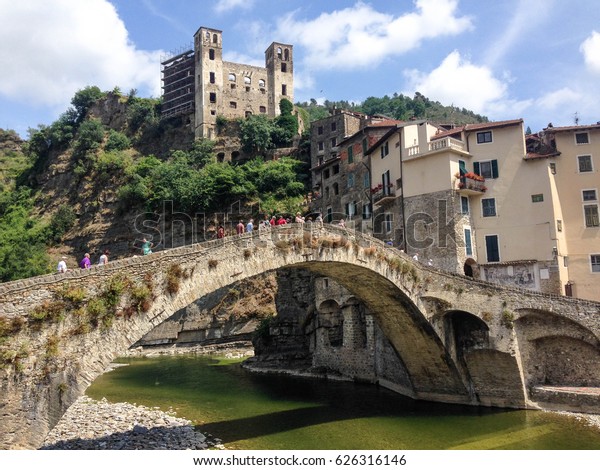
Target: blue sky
x: 533, y: 59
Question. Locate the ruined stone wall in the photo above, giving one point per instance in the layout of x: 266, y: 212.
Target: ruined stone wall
x: 242, y: 94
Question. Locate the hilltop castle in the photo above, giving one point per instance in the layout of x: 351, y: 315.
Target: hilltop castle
x: 199, y: 82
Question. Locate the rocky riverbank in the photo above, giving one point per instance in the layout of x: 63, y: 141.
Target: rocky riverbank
x: 99, y: 425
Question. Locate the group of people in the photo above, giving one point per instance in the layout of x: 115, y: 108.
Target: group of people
x: 85, y: 262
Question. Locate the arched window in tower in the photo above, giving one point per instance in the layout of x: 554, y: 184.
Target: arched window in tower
x: 286, y: 54
x: 211, y: 54
x: 283, y: 67
x: 261, y: 83
x: 279, y: 51
x: 247, y: 80
x: 215, y: 38
x: 207, y: 36
x: 231, y: 77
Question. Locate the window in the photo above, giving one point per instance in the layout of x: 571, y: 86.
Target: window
x: 491, y: 248
x: 591, y: 215
x: 389, y: 220
x: 366, y: 181
x: 468, y: 242
x: 385, y: 150
x: 326, y: 192
x: 213, y: 97
x: 333, y: 126
x: 279, y: 52
x: 484, y: 137
x: 320, y: 145
x: 261, y: 83
x: 595, y: 263
x: 262, y: 109
x: 464, y: 204
x: 558, y: 225
x: 231, y: 77
x: 283, y: 67
x: 284, y: 90
x: 211, y: 54
x: 585, y: 163
x: 487, y: 169
x: 553, y: 168
x: 385, y: 183
x: 212, y: 77
x: 488, y: 207
x: 582, y: 138
x: 336, y: 189
x: 336, y: 169
x: 333, y: 142
x: 320, y: 130
x: 214, y: 38
x: 247, y: 80
x: 232, y: 104
x: 350, y: 180
x: 248, y: 114
x: 366, y: 213
x: 351, y: 209
x: 537, y: 198
x: 350, y: 155
x: 589, y: 195
x: 232, y: 86
x: 329, y: 216
x: 326, y: 174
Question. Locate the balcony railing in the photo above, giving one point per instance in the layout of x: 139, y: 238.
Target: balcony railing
x: 447, y: 143
x: 382, y: 195
x: 470, y: 183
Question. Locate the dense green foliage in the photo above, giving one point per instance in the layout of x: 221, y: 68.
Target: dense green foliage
x: 212, y: 186
x: 397, y: 107
x: 22, y: 238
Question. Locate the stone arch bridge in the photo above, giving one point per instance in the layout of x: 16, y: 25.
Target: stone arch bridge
x: 456, y: 340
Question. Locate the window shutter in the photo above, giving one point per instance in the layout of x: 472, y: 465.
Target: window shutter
x: 494, y: 168
x: 476, y: 168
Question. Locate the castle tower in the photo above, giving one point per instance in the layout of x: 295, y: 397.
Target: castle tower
x: 280, y: 75
x: 208, y: 49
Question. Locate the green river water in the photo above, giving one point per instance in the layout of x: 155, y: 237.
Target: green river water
x: 262, y: 411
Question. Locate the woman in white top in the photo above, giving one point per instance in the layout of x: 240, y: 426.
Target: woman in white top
x: 104, y: 257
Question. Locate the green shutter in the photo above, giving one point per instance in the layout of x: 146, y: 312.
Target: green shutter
x: 476, y: 168
x: 494, y: 168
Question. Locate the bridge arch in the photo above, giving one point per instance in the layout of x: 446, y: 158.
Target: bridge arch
x: 392, y: 287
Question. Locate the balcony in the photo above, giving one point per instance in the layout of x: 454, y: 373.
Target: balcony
x: 383, y: 195
x: 447, y: 143
x: 471, y: 184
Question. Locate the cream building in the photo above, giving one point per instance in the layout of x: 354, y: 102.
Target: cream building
x: 572, y: 161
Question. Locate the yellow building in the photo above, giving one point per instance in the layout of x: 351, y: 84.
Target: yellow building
x: 573, y: 167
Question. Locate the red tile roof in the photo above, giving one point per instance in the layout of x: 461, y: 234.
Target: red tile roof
x: 478, y: 126
x: 572, y: 128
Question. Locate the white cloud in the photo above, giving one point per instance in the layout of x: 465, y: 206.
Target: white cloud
x: 458, y: 81
x: 51, y: 50
x: 226, y: 5
x: 558, y: 99
x: 362, y: 36
x: 591, y: 51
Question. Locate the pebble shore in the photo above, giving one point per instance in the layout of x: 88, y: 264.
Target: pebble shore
x: 99, y: 425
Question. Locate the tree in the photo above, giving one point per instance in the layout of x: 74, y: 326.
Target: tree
x: 84, y: 99
x: 255, y: 134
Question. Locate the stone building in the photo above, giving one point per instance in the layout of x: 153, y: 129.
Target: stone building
x: 340, y: 177
x: 199, y: 82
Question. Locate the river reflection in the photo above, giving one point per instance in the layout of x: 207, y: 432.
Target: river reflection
x: 262, y: 411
